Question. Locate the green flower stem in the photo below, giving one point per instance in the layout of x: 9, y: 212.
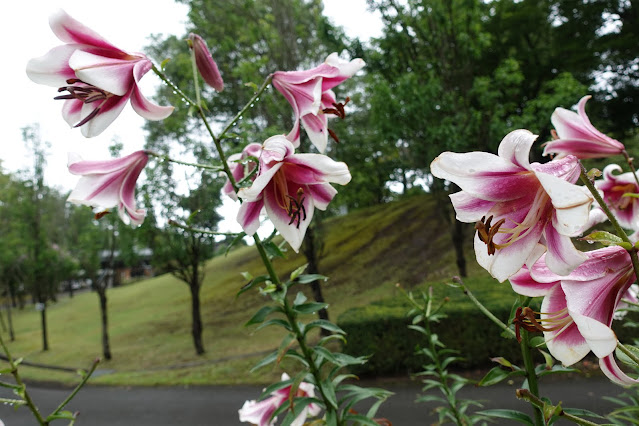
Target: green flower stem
x: 75, y: 391
x: 196, y: 80
x: 308, y: 355
x: 291, y: 317
x: 13, y: 402
x: 201, y: 231
x: 482, y: 308
x: 185, y: 163
x: 611, y: 217
x: 441, y: 372
x: 169, y: 83
x: 27, y: 398
x: 531, y: 375
x: 256, y: 95
x: 631, y: 165
x: 534, y: 400
x: 595, y: 193
x: 633, y: 356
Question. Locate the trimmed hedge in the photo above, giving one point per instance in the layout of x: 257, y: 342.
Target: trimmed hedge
x: 382, y: 332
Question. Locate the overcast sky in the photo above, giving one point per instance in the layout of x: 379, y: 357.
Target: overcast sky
x: 25, y: 31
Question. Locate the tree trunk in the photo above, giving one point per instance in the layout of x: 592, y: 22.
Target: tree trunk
x: 43, y: 320
x: 455, y: 227
x: 310, y: 250
x: 196, y: 323
x: 458, y: 243
x: 12, y: 335
x: 2, y: 323
x: 106, y: 347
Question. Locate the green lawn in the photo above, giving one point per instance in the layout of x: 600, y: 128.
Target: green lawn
x: 366, y: 253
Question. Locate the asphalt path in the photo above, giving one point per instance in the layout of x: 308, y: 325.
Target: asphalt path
x: 218, y: 405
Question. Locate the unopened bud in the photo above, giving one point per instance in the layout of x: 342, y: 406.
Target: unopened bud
x: 205, y: 63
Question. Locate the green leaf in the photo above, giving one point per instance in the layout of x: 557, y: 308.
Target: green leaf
x: 252, y: 283
x: 329, y: 392
x: 326, y: 325
x: 261, y: 315
x: 580, y: 412
x: 496, y: 375
x: 626, y: 359
x: 296, y: 273
x: 268, y: 359
x: 273, y: 250
x: 607, y: 239
x: 275, y: 321
x: 503, y: 361
x: 237, y: 238
x: 517, y: 416
x: 309, y: 278
x: 252, y: 86
x: 300, y: 298
x: 309, y: 308
x: 163, y: 63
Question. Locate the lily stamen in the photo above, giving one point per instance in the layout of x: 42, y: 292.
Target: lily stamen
x: 487, y: 232
x: 295, y: 208
x: 86, y: 94
x: 527, y: 319
x: 338, y: 108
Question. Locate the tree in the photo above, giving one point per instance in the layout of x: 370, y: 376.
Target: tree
x: 460, y: 74
x: 183, y: 250
x: 39, y: 217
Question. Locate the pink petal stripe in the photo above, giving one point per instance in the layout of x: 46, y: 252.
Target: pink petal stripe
x: 69, y: 30
x: 249, y: 215
x: 611, y: 369
x: 566, y: 344
x: 147, y: 109
x: 109, y: 111
x: 468, y: 208
x: 523, y: 283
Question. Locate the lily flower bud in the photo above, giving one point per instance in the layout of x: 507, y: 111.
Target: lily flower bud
x: 205, y: 63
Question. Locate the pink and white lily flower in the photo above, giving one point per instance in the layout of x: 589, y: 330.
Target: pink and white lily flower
x: 109, y: 183
x: 239, y: 170
x: 575, y: 135
x: 520, y: 209
x: 98, y: 77
x: 289, y: 186
x: 309, y: 94
x: 260, y: 412
x: 578, y: 309
x: 614, y: 186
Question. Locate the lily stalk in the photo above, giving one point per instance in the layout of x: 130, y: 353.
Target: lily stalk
x: 331, y: 410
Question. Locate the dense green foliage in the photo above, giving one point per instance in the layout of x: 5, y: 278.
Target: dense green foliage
x: 381, y: 331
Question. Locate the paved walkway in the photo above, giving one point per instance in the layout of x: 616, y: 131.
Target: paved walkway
x: 218, y: 405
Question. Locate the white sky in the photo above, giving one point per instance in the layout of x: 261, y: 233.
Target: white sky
x: 24, y: 29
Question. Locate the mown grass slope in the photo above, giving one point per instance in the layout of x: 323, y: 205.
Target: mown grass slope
x: 365, y: 254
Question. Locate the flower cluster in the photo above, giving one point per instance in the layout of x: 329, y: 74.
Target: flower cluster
x: 97, y: 80
x: 525, y: 215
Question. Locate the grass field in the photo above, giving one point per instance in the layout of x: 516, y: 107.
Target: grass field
x: 366, y: 253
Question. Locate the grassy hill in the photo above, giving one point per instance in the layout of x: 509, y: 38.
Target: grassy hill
x: 366, y: 253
